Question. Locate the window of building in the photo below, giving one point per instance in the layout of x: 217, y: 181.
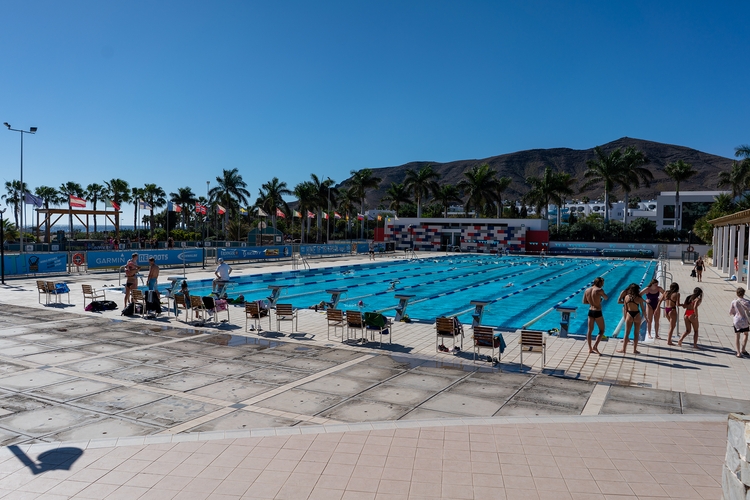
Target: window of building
x: 668, y: 211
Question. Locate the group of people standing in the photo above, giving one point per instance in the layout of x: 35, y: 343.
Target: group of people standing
x: 645, y: 303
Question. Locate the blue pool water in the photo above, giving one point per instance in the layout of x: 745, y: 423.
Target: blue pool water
x: 520, y: 289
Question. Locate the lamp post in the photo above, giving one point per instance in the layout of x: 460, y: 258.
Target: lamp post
x: 32, y: 130
x: 328, y: 221
x: 2, y: 247
x: 205, y: 226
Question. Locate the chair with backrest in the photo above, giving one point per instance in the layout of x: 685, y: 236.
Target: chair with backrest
x: 254, y: 311
x: 90, y: 294
x: 215, y: 306
x: 377, y: 323
x: 137, y: 298
x: 448, y: 327
x: 198, y: 308
x: 336, y: 320
x: 484, y: 338
x: 355, y: 322
x: 58, y: 289
x: 533, y: 341
x: 41, y: 288
x: 286, y: 312
x: 179, y: 300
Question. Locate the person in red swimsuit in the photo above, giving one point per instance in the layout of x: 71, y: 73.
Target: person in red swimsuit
x: 671, y: 301
x: 691, y: 316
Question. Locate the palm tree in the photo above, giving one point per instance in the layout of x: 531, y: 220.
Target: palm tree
x: 503, y: 183
x: 118, y: 191
x: 447, y: 194
x: 347, y: 203
x: 136, y: 195
x: 421, y: 183
x: 67, y: 190
x: 185, y: 198
x: 542, y: 192
x: 480, y: 185
x: 272, y: 193
x: 738, y: 178
x: 325, y: 196
x: 95, y: 192
x: 231, y: 192
x: 397, y: 195
x: 604, y: 169
x: 742, y: 152
x: 678, y: 171
x: 13, y: 196
x: 155, y: 196
x: 306, y: 193
x: 633, y: 173
x: 361, y: 181
x: 562, y: 186
x: 49, y: 195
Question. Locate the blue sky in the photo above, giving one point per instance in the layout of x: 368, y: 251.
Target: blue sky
x: 172, y: 92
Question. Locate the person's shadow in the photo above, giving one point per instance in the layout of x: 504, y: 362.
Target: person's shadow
x: 59, y: 459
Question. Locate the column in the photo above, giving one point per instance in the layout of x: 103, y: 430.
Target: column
x: 732, y: 250
x: 740, y: 252
x: 725, y: 250
x: 715, y: 247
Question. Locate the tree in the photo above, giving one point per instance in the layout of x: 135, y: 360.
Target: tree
x: 230, y: 192
x: 678, y: 171
x: 325, y: 197
x: 67, y: 190
x: 446, y: 195
x: 12, y: 197
x: 397, y: 195
x: 49, y: 195
x: 502, y: 184
x: 272, y: 193
x: 118, y: 191
x: 155, y: 196
x: 361, y: 181
x: 480, y: 186
x: 421, y: 183
x: 95, y: 192
x: 738, y: 177
x: 604, y: 169
x: 136, y: 195
x: 306, y: 193
x: 550, y: 187
x: 185, y: 199
x: 632, y: 174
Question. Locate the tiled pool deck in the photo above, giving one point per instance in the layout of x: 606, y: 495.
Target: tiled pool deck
x: 162, y: 409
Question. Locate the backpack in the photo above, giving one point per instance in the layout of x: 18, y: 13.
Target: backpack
x: 129, y: 310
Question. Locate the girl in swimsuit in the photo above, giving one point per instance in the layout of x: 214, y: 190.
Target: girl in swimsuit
x: 653, y: 294
x: 699, y: 268
x: 633, y: 304
x: 671, y: 300
x: 691, y: 316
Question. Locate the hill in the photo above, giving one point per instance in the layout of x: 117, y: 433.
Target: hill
x: 523, y: 164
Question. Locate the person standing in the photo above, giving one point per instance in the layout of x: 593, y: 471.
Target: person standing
x: 372, y: 250
x: 593, y: 297
x: 653, y: 294
x: 153, y: 273
x: 671, y: 300
x: 222, y: 274
x: 691, y: 316
x: 699, y: 265
x: 634, y: 303
x: 740, y: 310
x: 131, y: 277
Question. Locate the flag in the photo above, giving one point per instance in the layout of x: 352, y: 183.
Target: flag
x: 172, y: 207
x: 30, y: 199
x: 261, y: 213
x: 220, y: 209
x: 380, y: 218
x: 360, y: 216
x: 279, y: 213
x: 75, y: 201
x: 200, y: 208
x: 310, y: 215
x: 115, y: 205
x: 243, y: 211
x: 336, y: 215
x: 296, y: 214
x: 325, y: 215
x: 144, y: 205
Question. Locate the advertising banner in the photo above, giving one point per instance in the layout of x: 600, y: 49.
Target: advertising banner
x: 162, y: 257
x: 332, y: 249
x: 247, y: 253
x: 33, y: 263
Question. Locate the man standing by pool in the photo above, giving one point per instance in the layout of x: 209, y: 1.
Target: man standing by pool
x: 222, y: 276
x: 593, y: 297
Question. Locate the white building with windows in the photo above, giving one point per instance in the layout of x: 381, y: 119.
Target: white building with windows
x: 693, y: 204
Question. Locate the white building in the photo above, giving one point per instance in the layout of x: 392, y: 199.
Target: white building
x: 694, y: 205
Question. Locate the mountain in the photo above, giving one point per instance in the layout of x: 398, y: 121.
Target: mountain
x: 523, y: 164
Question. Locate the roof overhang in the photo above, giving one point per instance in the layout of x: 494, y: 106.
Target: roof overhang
x: 742, y: 217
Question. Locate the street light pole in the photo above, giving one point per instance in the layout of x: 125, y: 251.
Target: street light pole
x: 2, y: 247
x: 328, y: 219
x: 22, y: 201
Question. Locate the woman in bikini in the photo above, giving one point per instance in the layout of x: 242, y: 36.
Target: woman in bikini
x: 699, y: 268
x: 691, y: 316
x: 671, y: 300
x: 633, y: 305
x: 653, y: 294
x: 740, y: 310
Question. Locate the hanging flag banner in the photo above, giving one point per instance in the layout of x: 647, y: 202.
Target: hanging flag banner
x: 310, y: 215
x: 30, y: 199
x: 336, y: 215
x: 325, y: 215
x: 360, y: 216
x: 262, y: 213
x: 243, y: 211
x: 297, y: 214
x: 220, y: 209
x: 143, y: 205
x: 200, y: 208
x: 172, y: 207
x: 77, y: 202
x: 279, y: 213
x: 115, y: 205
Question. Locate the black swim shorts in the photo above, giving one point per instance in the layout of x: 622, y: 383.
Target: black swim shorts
x: 741, y: 330
x: 594, y: 314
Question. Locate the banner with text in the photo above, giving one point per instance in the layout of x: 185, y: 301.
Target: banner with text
x: 32, y: 263
x: 97, y: 260
x: 331, y: 249
x: 249, y: 253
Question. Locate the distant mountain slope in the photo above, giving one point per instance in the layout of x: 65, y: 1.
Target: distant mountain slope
x: 522, y: 164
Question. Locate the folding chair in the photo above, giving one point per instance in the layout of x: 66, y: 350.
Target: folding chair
x: 355, y: 322
x: 335, y: 319
x: 255, y: 312
x: 484, y: 338
x: 285, y: 312
x: 376, y: 322
x: 90, y: 294
x: 448, y: 327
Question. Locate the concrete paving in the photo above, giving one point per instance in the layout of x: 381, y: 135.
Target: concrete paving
x: 100, y: 379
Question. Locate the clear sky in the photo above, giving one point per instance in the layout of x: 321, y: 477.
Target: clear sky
x: 172, y: 92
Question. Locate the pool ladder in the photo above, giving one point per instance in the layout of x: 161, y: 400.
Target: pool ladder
x: 299, y: 262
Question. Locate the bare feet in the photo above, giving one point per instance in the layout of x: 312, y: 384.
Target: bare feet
x: 670, y: 343
x: 649, y: 336
x: 620, y: 350
x: 636, y: 352
x: 657, y: 337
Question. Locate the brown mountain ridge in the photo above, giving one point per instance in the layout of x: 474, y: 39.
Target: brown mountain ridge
x: 522, y: 164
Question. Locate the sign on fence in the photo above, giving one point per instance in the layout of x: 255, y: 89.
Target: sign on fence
x: 331, y: 249
x: 33, y: 263
x: 248, y: 253
x: 162, y: 257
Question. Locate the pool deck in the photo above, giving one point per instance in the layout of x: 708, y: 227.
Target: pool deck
x: 161, y: 408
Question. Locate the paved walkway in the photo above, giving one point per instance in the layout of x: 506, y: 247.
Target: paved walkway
x: 108, y: 386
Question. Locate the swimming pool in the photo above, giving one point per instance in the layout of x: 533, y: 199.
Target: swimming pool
x: 521, y: 290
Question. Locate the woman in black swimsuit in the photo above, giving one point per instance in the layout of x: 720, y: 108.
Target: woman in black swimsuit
x: 633, y: 305
x: 699, y: 268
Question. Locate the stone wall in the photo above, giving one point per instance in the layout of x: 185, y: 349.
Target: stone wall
x: 735, y: 476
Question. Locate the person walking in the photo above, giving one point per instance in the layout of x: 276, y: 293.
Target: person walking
x: 740, y: 310
x: 653, y: 293
x: 692, y: 302
x: 131, y: 277
x: 634, y: 304
x: 699, y: 266
x: 671, y: 300
x: 593, y: 297
x: 153, y: 273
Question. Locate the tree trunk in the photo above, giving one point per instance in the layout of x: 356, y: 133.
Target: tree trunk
x: 677, y: 213
x: 606, y: 207
x: 625, y: 212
